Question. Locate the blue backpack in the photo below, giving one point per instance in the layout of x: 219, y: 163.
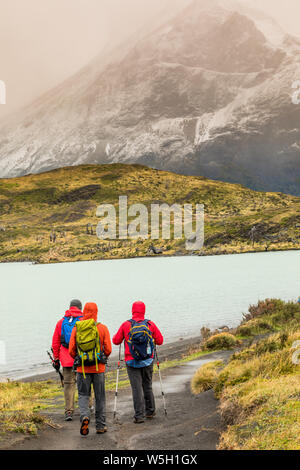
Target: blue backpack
x: 67, y: 328
x: 140, y: 340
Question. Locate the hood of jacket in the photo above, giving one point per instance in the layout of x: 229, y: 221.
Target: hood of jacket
x: 73, y: 312
x: 90, y: 311
x: 138, y: 311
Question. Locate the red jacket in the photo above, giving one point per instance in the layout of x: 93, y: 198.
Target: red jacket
x: 138, y: 314
x: 59, y: 351
x: 90, y: 311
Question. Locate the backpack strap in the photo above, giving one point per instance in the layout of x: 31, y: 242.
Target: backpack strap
x: 101, y: 347
x: 133, y: 321
x: 82, y: 366
x: 96, y: 361
x: 96, y: 357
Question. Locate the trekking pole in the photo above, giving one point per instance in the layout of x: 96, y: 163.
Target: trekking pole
x: 117, y: 383
x: 58, y: 371
x: 161, y: 384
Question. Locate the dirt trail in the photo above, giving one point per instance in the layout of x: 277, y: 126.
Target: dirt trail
x: 192, y: 423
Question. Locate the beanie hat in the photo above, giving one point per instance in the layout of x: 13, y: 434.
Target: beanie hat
x: 76, y: 303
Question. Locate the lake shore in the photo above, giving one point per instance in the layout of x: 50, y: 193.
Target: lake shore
x: 180, y: 311
x: 171, y: 351
x: 226, y: 250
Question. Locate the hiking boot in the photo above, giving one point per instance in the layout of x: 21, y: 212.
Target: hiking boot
x: 138, y: 420
x: 101, y: 430
x: 84, y: 429
x: 68, y: 416
x: 151, y: 416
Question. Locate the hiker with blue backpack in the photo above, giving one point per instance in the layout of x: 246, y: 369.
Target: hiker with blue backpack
x: 141, y: 337
x: 60, y: 347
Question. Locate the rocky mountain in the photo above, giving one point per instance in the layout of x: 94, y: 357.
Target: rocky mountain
x: 208, y: 92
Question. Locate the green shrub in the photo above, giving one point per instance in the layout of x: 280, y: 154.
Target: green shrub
x: 221, y: 341
x: 245, y: 330
x: 269, y: 316
x: 264, y: 307
x: 264, y: 326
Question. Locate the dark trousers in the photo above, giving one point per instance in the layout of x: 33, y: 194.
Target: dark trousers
x: 142, y: 394
x: 84, y: 393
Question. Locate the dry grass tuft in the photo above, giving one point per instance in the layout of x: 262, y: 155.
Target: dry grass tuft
x: 221, y: 341
x: 206, y: 377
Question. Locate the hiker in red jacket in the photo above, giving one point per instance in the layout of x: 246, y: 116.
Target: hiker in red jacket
x: 60, y: 347
x: 140, y: 371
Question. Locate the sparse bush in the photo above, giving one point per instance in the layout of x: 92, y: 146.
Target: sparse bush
x: 264, y: 307
x: 205, y: 333
x: 268, y: 316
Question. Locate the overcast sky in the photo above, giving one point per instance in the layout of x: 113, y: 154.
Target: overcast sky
x: 44, y: 41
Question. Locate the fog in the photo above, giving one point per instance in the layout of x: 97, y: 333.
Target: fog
x: 44, y: 41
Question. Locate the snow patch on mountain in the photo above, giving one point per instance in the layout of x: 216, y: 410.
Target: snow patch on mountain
x: 204, y: 92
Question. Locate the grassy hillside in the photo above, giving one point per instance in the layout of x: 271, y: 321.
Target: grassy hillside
x: 259, y: 388
x: 64, y: 201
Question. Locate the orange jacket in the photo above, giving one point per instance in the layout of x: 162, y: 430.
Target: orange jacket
x: 90, y: 311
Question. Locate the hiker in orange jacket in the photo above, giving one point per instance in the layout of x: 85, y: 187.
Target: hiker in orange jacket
x: 92, y: 375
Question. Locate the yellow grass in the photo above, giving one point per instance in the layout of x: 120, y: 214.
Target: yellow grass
x: 65, y: 201
x: 259, y: 389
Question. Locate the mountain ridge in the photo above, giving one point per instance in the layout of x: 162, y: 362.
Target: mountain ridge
x: 205, y: 93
